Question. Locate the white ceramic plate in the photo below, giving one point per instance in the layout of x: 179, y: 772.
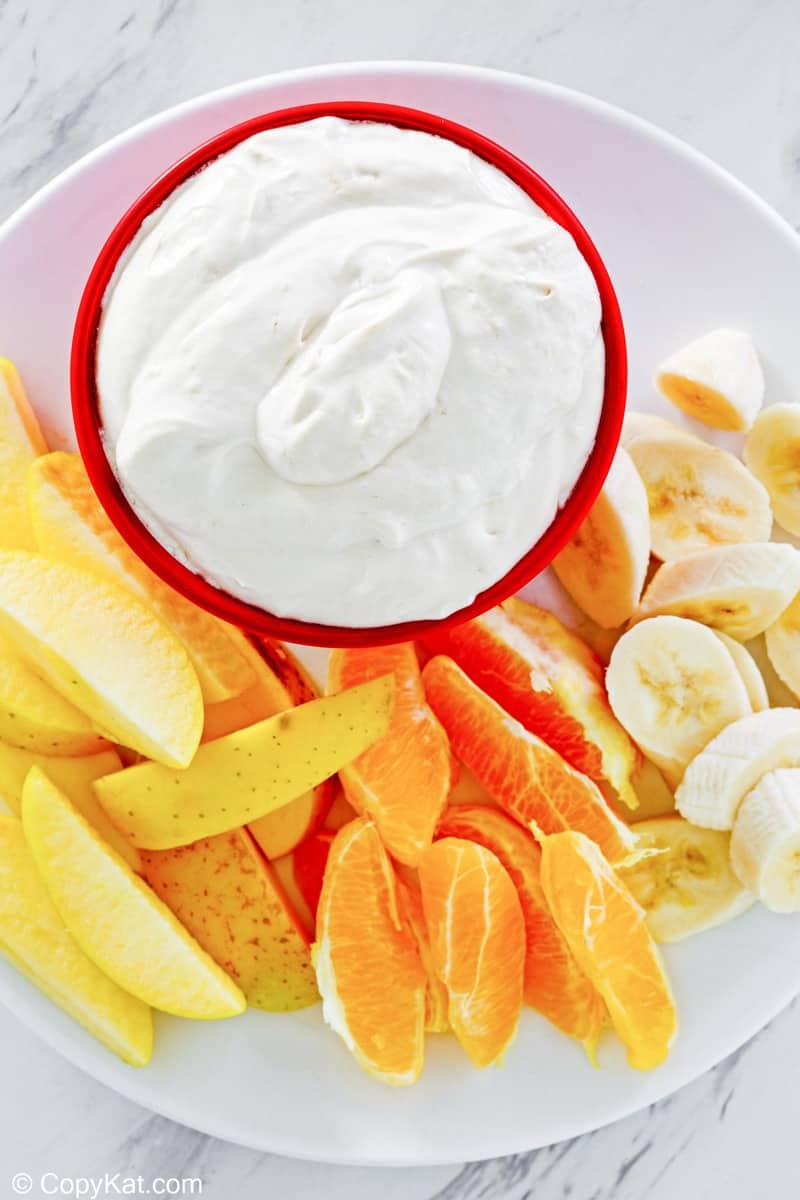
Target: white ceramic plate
x: 688, y: 248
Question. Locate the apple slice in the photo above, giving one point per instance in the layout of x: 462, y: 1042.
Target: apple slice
x: 284, y: 872
x: 247, y: 774
x: 71, y: 526
x: 309, y: 861
x: 21, y: 440
x: 282, y: 831
x: 35, y: 717
x: 282, y: 684
x: 115, y: 917
x: 74, y: 776
x: 224, y: 892
x: 37, y: 942
x: 106, y: 652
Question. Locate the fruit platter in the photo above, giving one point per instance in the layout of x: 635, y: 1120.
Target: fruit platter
x: 423, y: 864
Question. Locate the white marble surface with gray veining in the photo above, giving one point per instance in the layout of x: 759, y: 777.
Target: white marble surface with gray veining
x: 724, y: 75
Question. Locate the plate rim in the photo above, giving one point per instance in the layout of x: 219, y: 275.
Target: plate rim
x: 51, y: 1034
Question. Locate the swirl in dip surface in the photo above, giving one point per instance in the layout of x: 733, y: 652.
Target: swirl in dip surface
x: 349, y: 372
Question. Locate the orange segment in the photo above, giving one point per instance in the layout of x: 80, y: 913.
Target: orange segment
x: 477, y: 936
x: 369, y: 971
x: 436, y: 999
x: 524, y: 775
x: 404, y: 780
x: 554, y: 984
x: 607, y: 932
x: 549, y: 679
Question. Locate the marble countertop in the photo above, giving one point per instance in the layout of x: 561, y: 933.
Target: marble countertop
x: 721, y: 74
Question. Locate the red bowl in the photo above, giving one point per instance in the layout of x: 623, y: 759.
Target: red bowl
x: 88, y: 423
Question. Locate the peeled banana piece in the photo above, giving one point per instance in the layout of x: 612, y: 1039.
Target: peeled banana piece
x: 765, y: 842
x: 673, y: 685
x: 699, y: 496
x: 603, y: 568
x: 772, y: 452
x: 689, y: 885
x: 717, y: 780
x: 740, y: 590
x: 780, y: 696
x: 717, y: 379
x: 749, y: 672
x: 642, y: 424
x: 782, y: 641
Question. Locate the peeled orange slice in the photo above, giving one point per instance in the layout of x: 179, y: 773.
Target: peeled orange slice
x: 527, y: 777
x: 550, y: 681
x: 436, y: 993
x: 608, y: 934
x: 477, y: 936
x: 554, y: 984
x: 35, y: 939
x: 72, y: 526
x: 116, y: 919
x: 369, y: 971
x: 402, y: 782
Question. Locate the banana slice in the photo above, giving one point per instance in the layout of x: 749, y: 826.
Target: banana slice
x: 689, y: 885
x: 716, y: 379
x: 718, y: 779
x: 749, y: 673
x: 699, y: 495
x: 765, y: 843
x: 653, y: 793
x: 740, y: 590
x: 641, y: 424
x: 782, y: 641
x: 779, y: 695
x: 673, y: 686
x: 772, y: 452
x: 604, y: 566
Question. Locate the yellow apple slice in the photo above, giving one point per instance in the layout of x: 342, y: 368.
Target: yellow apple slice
x: 115, y: 917
x: 74, y: 776
x: 247, y: 774
x: 21, y: 441
x: 36, y: 940
x: 227, y: 896
x: 71, y: 525
x: 106, y: 652
x: 35, y: 717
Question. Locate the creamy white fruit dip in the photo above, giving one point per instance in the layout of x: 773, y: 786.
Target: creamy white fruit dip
x: 349, y: 373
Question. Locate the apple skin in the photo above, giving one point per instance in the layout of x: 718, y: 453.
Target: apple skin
x: 309, y: 864
x: 228, y: 896
x: 282, y: 683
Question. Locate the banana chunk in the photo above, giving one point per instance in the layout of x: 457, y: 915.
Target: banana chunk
x: 698, y: 496
x: 772, y: 452
x: 740, y: 590
x: 603, y: 568
x: 643, y: 424
x: 782, y: 641
x: 690, y: 884
x: 748, y: 670
x: 765, y: 843
x: 717, y: 379
x: 718, y: 779
x: 673, y: 686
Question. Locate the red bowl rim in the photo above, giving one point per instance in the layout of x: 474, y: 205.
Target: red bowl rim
x: 249, y: 617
